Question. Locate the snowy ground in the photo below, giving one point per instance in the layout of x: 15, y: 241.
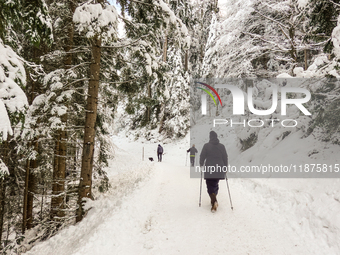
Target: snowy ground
x: 152, y: 208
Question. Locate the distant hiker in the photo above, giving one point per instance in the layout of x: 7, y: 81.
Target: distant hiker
x: 159, y: 152
x: 193, y: 152
x: 215, y: 157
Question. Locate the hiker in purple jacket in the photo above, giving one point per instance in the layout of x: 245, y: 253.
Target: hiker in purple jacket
x: 215, y: 159
x: 159, y: 152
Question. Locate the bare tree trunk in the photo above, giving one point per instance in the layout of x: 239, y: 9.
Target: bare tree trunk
x: 306, y: 59
x: 165, y: 48
x: 55, y: 201
x: 24, y: 217
x: 85, y: 184
x: 4, y: 154
x: 2, y: 206
x: 186, y: 61
x: 202, y: 29
x: 42, y: 201
x: 31, y: 190
x: 148, y: 108
x: 75, y: 153
x: 29, y: 193
x: 202, y: 53
x: 293, y: 51
x: 161, y: 125
x: 59, y: 179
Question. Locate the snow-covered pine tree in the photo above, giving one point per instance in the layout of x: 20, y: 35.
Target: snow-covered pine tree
x: 202, y: 15
x: 175, y: 98
x: 227, y: 49
x: 16, y: 16
x: 147, y: 95
x: 258, y: 38
x: 13, y: 103
x: 98, y: 22
x: 59, y: 166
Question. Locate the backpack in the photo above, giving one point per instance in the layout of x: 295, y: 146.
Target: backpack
x: 160, y: 149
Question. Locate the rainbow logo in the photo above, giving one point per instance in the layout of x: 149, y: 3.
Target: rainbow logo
x: 209, y: 93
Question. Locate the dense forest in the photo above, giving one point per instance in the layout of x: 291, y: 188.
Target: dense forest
x: 64, y: 67
x: 68, y: 66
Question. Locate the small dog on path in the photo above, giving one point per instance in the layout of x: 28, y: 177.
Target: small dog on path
x: 151, y: 158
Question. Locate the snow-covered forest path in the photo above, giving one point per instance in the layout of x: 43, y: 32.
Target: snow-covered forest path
x: 152, y: 208
x: 176, y: 225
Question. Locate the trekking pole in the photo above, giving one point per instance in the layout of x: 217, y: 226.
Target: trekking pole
x: 200, y: 188
x: 226, y: 179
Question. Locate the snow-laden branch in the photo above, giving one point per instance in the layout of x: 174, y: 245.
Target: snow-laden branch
x: 5, y: 124
x: 281, y: 26
x: 127, y: 43
x: 267, y: 41
x: 334, y: 3
x: 328, y: 96
x: 12, y: 97
x: 3, y: 168
x: 121, y: 82
x: 95, y: 19
x: 271, y: 19
x: 76, y: 81
x: 140, y: 2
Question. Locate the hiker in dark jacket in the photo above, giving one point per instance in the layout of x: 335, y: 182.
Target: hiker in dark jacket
x: 159, y: 152
x: 215, y: 159
x: 193, y: 152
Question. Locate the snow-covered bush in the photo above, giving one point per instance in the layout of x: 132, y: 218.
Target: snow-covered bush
x: 12, y: 98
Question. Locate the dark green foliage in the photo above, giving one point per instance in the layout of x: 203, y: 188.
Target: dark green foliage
x: 130, y: 108
x: 323, y: 16
x: 25, y: 18
x: 248, y: 142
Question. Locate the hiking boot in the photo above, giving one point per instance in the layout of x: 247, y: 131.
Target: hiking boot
x: 214, y: 203
x: 214, y: 207
x: 212, y: 198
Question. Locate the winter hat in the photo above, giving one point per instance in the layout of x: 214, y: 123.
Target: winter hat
x: 212, y: 135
